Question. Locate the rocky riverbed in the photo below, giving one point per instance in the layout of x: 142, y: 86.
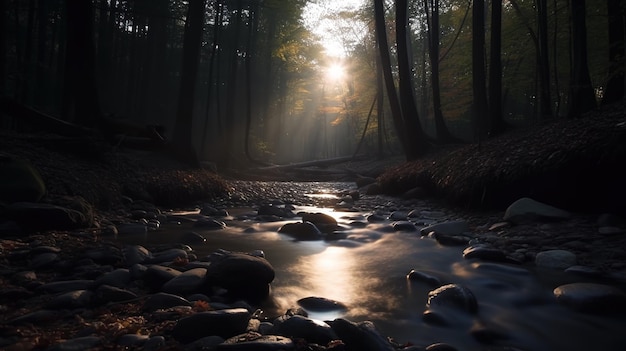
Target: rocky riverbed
x: 85, y: 289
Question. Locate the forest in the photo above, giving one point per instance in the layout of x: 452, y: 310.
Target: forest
x: 239, y: 82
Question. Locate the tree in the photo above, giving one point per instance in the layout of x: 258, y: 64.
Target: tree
x: 581, y: 96
x: 182, y: 137
x: 432, y: 21
x: 543, y: 60
x: 80, y: 95
x: 496, y: 123
x: 385, y: 60
x: 614, y: 90
x: 416, y: 139
x: 478, y: 70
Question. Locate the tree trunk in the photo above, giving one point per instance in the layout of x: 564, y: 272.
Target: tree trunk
x: 543, y: 60
x: 496, y: 124
x: 582, y: 96
x: 392, y: 95
x: 478, y: 70
x: 614, y: 91
x: 416, y: 139
x: 182, y: 138
x: 80, y: 95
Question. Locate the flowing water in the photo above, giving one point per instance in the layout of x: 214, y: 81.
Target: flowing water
x: 367, y: 270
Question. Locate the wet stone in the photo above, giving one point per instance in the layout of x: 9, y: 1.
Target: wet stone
x: 404, y: 226
x: 555, y: 259
x: 320, y: 304
x: 453, y: 296
x: 313, y: 331
x: 418, y: 276
x: 162, y: 300
x: 486, y: 253
x: 301, y: 231
x: 591, y: 297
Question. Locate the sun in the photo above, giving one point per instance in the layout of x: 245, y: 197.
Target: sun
x: 335, y: 72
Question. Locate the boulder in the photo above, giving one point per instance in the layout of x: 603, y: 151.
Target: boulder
x: 527, y: 209
x: 243, y: 275
x: 311, y: 330
x: 361, y: 336
x: 591, y: 297
x: 32, y: 216
x: 555, y: 259
x: 302, y: 231
x: 20, y: 181
x: 453, y: 296
x: 322, y: 221
x: 223, y: 323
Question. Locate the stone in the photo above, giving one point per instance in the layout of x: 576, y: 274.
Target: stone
x: 485, y: 253
x: 223, y: 323
x: 185, y: 283
x: 20, y: 181
x: 322, y: 221
x: 209, y: 223
x: 106, y: 293
x: 63, y: 286
x: 82, y: 343
x: 252, y: 341
x: 320, y: 304
x: 119, y: 278
x: 134, y: 254
x: 163, y: 300
x: 313, y: 331
x: 193, y: 238
x: 167, y: 256
x: 243, y: 275
x: 404, y: 226
x: 271, y: 210
x: 156, y: 275
x: 417, y: 276
x: 453, y: 296
x: 70, y: 300
x: 302, y: 231
x: 527, y: 209
x: 362, y: 336
x: 398, y: 216
x: 591, y: 297
x: 447, y: 228
x: 555, y: 259
x: 40, y: 217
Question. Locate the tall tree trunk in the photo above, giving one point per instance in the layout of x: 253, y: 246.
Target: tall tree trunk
x: 478, y: 70
x: 614, y: 91
x: 182, y: 138
x: 380, y: 105
x: 443, y: 135
x: 415, y: 135
x: 251, y: 53
x: 392, y: 95
x: 496, y: 122
x: 582, y: 96
x: 543, y: 60
x: 3, y: 46
x: 211, y: 80
x: 80, y: 95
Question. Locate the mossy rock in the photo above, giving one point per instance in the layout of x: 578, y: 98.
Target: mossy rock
x: 20, y: 181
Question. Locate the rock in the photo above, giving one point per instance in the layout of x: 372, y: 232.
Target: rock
x: 209, y: 210
x: 322, y: 221
x: 63, y: 286
x: 193, y: 238
x: 154, y: 343
x: 398, y: 216
x: 209, y: 223
x: 404, y: 226
x: 485, y: 253
x: 107, y: 254
x: 526, y: 209
x: 313, y: 331
x: 223, y: 323
x: 361, y: 336
x: 167, y: 256
x: 418, y: 276
x: 106, y: 293
x: 44, y: 261
x: 252, y: 341
x: 119, y: 278
x: 164, y: 300
x: 555, y: 259
x: 155, y: 276
x: 132, y: 340
x: 41, y: 217
x: 375, y: 218
x: 20, y: 181
x: 320, y: 304
x: 302, y: 231
x: 270, y: 210
x: 591, y: 297
x: 453, y: 296
x: 243, y: 275
x: 450, y: 240
x: 82, y: 343
x: 70, y: 300
x: 185, y: 283
x: 446, y: 228
x: 134, y: 254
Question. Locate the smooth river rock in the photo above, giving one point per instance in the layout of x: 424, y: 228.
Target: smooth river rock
x: 591, y: 297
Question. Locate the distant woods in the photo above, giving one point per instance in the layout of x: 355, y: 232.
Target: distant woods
x: 242, y: 81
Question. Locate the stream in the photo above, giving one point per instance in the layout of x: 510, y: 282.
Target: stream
x: 366, y: 269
